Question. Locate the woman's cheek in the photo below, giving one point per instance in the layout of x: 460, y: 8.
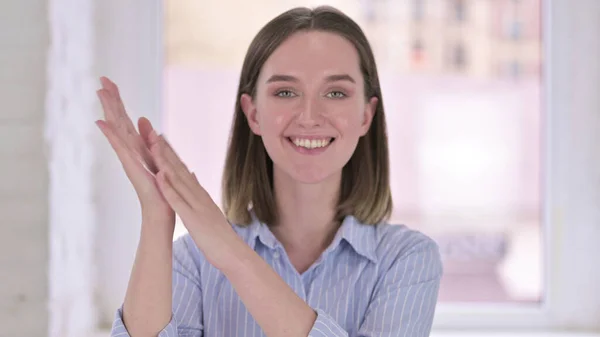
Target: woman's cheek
x: 279, y: 120
x: 342, y: 116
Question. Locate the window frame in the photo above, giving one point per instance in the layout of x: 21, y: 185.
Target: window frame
x: 559, y: 309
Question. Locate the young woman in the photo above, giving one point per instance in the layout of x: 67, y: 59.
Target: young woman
x: 303, y: 248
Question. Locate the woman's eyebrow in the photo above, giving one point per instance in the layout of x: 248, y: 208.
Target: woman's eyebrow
x: 330, y: 78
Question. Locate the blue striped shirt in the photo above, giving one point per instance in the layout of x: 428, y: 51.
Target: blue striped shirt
x: 371, y: 281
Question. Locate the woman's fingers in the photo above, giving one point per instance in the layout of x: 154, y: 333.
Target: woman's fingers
x: 132, y: 163
x: 114, y: 110
x: 183, y: 189
x: 167, y: 160
x: 107, y: 105
x: 115, y: 114
x: 179, y: 186
x: 173, y: 196
x: 118, y: 108
x: 180, y: 178
x: 167, y: 157
x: 172, y: 158
x: 146, y: 130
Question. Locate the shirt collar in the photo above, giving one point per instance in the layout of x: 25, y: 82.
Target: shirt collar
x: 362, y: 238
x: 260, y: 231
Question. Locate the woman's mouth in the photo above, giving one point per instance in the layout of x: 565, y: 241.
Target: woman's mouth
x: 312, y: 145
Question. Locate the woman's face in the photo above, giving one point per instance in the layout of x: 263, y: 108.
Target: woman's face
x: 310, y: 107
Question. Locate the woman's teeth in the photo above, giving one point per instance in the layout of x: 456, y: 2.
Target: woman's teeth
x: 311, y: 143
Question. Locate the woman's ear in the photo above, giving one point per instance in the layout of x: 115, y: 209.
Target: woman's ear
x: 370, y: 109
x: 250, y: 111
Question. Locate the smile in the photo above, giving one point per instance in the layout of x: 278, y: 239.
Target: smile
x: 310, y: 145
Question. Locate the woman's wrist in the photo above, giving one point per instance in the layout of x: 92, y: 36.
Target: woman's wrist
x: 157, y: 226
x: 222, y: 249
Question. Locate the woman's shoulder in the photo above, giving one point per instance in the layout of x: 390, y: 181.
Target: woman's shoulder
x: 186, y: 253
x: 401, y: 236
x: 400, y: 242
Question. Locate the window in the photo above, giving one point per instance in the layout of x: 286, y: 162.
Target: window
x: 515, y: 29
x: 369, y: 10
x: 418, y: 52
x: 418, y: 10
x: 465, y: 148
x: 458, y: 58
x: 515, y: 69
x: 459, y: 11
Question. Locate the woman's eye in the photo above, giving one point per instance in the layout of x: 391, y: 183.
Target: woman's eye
x: 336, y: 94
x: 285, y: 93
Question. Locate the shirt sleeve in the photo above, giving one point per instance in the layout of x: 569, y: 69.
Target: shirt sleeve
x: 403, y: 304
x: 325, y: 326
x: 186, y: 319
x: 119, y: 329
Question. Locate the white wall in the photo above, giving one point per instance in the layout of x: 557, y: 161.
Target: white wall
x: 129, y: 51
x: 67, y: 241
x: 71, y: 107
x: 23, y: 169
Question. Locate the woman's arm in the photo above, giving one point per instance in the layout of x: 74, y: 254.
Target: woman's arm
x: 403, y: 304
x: 148, y: 296
x: 148, y: 300
x: 147, y: 307
x: 271, y: 302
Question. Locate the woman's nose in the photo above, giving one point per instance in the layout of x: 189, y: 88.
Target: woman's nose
x: 310, y: 113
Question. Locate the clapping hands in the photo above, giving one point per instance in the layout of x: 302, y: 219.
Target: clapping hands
x: 162, y: 181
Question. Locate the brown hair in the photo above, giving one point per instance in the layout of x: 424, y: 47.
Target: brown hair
x: 248, y: 173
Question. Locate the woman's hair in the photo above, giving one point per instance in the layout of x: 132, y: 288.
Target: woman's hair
x: 248, y: 173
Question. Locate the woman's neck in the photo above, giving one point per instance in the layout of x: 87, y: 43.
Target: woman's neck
x: 306, y: 212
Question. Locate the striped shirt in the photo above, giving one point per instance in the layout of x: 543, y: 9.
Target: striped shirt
x: 371, y: 281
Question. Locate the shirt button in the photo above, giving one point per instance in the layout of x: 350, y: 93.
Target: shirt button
x: 276, y: 255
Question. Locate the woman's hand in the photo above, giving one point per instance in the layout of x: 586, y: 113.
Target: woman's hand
x: 133, y: 150
x: 201, y: 216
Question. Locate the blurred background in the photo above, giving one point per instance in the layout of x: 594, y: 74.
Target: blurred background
x: 462, y: 90
x: 493, y: 110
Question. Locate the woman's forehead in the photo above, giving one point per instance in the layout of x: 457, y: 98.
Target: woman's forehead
x: 313, y: 54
